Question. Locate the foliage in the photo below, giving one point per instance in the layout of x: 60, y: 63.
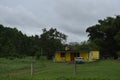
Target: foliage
x: 106, y: 35
x: 12, y: 42
x: 15, y: 44
x: 51, y: 40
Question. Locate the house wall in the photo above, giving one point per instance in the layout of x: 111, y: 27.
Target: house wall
x: 67, y: 56
x: 88, y: 56
x: 84, y: 55
x: 95, y: 55
x: 58, y: 56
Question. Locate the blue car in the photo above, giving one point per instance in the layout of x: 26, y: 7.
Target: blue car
x: 79, y: 60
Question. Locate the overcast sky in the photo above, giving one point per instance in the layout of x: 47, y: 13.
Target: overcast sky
x: 71, y: 17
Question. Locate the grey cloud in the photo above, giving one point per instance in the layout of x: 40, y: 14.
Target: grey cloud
x: 77, y: 15
x: 86, y: 11
x: 17, y: 16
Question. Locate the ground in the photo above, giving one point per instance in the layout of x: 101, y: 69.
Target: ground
x: 19, y: 69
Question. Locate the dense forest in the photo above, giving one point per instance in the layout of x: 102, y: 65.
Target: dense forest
x: 104, y: 36
x: 15, y: 44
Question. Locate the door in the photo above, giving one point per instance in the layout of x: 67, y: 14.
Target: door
x: 72, y: 56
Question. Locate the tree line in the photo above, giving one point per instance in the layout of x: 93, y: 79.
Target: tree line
x: 15, y: 44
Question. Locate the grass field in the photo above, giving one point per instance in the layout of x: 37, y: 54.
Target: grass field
x: 19, y: 69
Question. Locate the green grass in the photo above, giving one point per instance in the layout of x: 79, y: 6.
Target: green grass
x: 19, y: 69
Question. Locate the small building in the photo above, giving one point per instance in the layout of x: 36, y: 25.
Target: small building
x: 70, y: 55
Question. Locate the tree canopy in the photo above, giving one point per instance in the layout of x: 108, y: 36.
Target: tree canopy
x: 13, y: 43
x: 106, y: 34
x: 51, y: 40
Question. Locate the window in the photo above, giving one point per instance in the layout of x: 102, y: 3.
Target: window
x: 62, y: 54
x: 76, y: 55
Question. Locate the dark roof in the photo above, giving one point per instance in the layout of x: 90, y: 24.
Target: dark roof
x: 72, y: 51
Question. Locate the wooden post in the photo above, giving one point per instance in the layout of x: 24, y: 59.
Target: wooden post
x: 32, y: 66
x: 74, y: 67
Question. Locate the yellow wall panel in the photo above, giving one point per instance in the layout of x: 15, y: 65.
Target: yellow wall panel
x: 84, y: 55
x: 67, y: 56
x: 58, y: 56
x: 95, y: 54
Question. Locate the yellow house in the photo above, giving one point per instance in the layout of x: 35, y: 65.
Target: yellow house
x: 70, y: 55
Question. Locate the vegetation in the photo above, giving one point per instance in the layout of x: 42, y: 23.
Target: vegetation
x: 106, y: 35
x: 14, y: 43
x: 52, y: 40
x: 19, y: 69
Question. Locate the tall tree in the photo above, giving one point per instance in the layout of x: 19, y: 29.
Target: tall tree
x: 51, y: 40
x: 106, y: 35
